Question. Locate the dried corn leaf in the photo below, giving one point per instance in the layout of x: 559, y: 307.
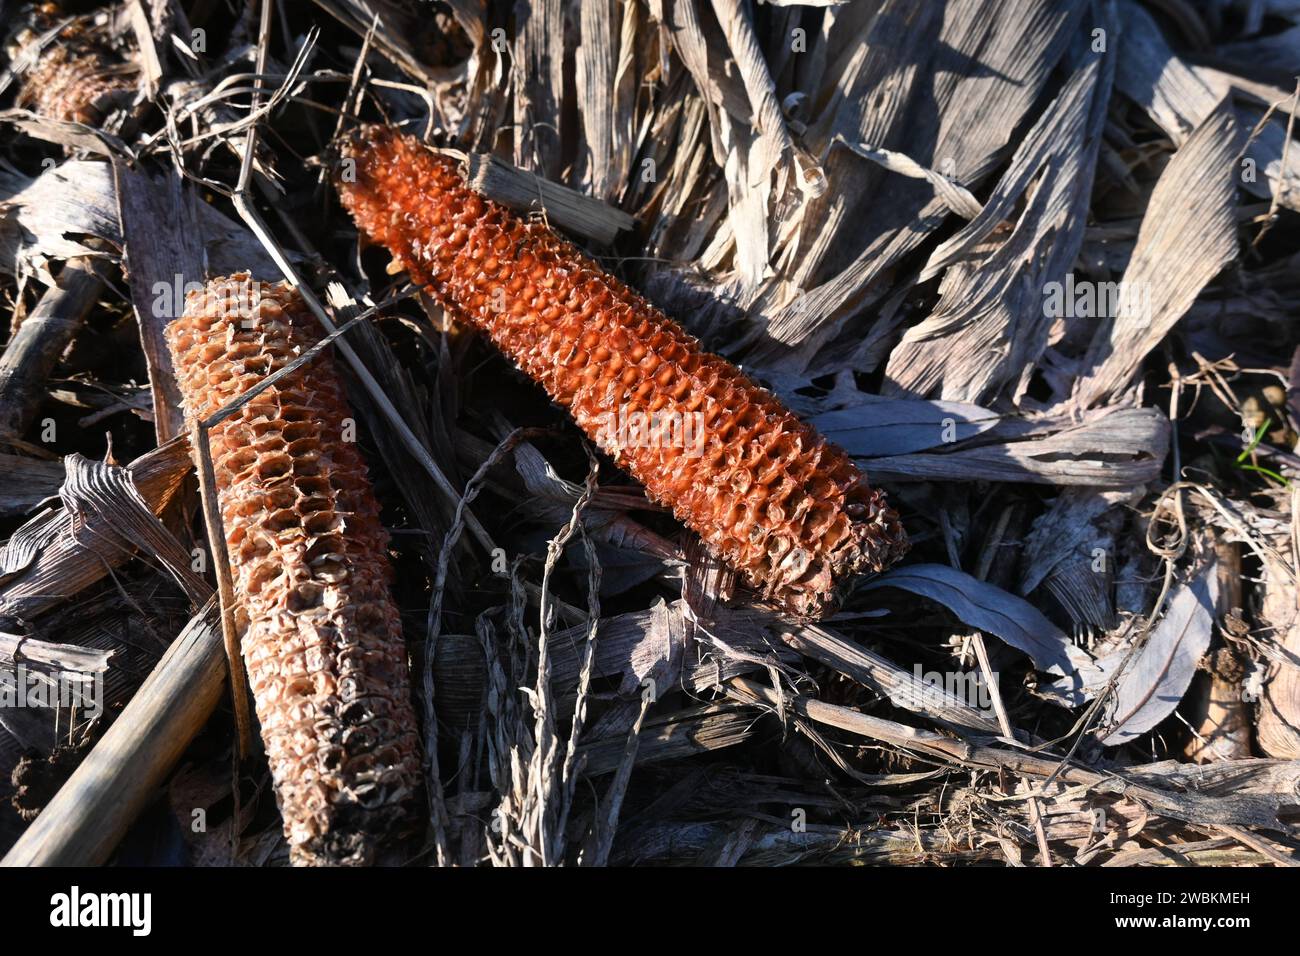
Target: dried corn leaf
x: 605, y: 86
x: 60, y: 668
x: 1189, y: 233
x: 25, y: 482
x: 1179, y: 100
x: 61, y: 551
x: 163, y: 249
x: 1110, y: 448
x: 995, y: 611
x: 959, y: 123
x: 904, y: 689
x: 1071, y: 549
x: 672, y: 736
x: 1278, y: 727
x: 564, y: 207
x: 109, y: 513
x: 60, y: 213
x: 1156, y: 679
x: 990, y: 325
x: 875, y: 427
x: 539, y: 86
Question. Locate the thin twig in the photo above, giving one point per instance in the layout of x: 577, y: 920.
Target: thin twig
x: 225, y: 586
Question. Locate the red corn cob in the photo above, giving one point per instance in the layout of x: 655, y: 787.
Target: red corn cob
x: 321, y: 636
x: 768, y: 494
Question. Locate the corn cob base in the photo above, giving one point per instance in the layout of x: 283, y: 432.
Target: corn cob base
x: 770, y: 496
x: 322, y: 640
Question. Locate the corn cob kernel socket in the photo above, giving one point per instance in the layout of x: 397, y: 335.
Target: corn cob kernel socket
x: 766, y: 493
x: 321, y: 637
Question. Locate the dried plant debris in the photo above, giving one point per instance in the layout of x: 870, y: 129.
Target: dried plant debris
x: 1030, y: 266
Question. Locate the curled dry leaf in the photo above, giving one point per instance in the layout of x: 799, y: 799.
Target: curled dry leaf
x: 989, y: 608
x: 1154, y: 682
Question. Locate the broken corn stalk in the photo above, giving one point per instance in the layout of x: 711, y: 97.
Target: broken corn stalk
x: 321, y: 638
x: 764, y: 490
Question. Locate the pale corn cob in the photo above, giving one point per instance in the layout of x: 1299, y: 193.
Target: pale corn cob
x: 76, y: 76
x: 766, y: 493
x: 321, y: 637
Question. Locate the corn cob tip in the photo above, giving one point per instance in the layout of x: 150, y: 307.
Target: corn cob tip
x: 776, y: 501
x: 321, y: 637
